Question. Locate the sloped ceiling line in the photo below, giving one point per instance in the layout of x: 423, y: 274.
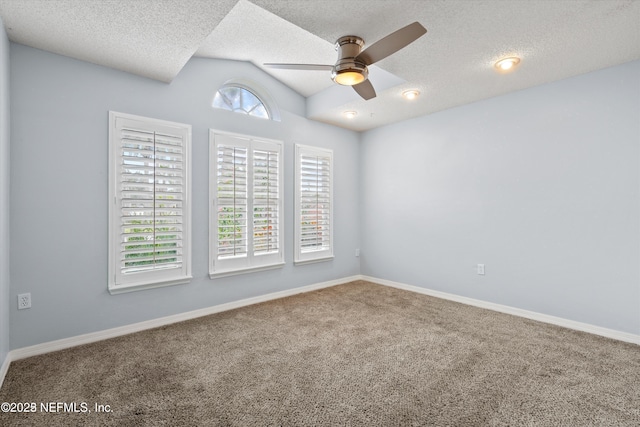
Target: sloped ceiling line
x: 451, y: 65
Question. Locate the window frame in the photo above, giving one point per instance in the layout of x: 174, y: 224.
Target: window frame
x: 119, y: 282
x: 242, y: 111
x: 252, y: 262
x: 300, y: 255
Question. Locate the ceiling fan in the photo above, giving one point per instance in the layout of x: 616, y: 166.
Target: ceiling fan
x: 351, y: 67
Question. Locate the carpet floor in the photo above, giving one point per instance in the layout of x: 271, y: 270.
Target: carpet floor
x: 358, y: 354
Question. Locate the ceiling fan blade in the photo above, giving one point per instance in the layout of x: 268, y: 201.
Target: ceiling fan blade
x: 365, y: 89
x: 391, y: 43
x: 299, y: 66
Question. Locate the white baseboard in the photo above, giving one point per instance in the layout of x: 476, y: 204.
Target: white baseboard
x: 4, y: 368
x: 64, y: 343
x: 571, y: 324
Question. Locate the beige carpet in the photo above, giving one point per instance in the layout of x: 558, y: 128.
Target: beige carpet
x: 357, y: 354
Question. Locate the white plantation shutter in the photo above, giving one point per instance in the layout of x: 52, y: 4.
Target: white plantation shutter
x: 149, y: 209
x: 315, y: 202
x: 266, y: 201
x: 246, y: 193
x: 231, y: 217
x: 152, y: 187
x: 314, y: 199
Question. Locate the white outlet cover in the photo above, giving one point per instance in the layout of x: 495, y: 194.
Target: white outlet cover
x: 24, y: 301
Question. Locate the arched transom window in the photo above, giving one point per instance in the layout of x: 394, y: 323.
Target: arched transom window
x: 240, y: 100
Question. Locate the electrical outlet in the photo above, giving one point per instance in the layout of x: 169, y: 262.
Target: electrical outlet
x: 481, y: 269
x: 24, y: 301
x: 358, y: 252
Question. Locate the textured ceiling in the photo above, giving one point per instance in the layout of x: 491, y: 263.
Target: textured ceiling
x: 451, y: 65
x: 250, y: 33
x: 152, y: 38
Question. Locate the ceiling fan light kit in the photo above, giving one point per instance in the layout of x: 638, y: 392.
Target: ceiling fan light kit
x: 351, y: 67
x: 349, y: 77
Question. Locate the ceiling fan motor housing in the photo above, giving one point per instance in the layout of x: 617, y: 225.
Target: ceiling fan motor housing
x: 347, y: 71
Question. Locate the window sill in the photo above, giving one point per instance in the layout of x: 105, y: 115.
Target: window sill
x: 313, y: 261
x: 115, y: 290
x: 227, y: 273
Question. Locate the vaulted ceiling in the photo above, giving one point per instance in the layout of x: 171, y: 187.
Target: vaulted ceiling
x: 453, y: 64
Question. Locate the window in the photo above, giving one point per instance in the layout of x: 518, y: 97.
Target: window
x: 313, y: 204
x: 240, y: 100
x: 149, y: 203
x: 246, y: 204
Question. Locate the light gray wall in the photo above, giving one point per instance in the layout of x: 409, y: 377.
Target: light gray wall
x: 542, y: 186
x: 59, y: 190
x: 4, y: 194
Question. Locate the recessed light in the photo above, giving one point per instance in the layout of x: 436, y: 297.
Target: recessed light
x: 350, y: 114
x: 507, y: 64
x: 411, y: 94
